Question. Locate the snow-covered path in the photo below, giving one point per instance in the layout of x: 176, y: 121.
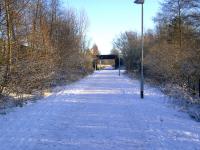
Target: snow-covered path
x: 101, y: 112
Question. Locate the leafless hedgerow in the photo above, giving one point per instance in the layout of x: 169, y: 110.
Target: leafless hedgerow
x: 40, y: 44
x: 172, y: 50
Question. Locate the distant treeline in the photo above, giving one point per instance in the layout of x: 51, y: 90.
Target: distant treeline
x: 172, y: 50
x: 40, y: 45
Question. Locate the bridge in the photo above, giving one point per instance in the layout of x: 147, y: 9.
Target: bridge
x: 112, y: 57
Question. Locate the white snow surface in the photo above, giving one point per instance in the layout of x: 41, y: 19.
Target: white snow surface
x: 100, y: 112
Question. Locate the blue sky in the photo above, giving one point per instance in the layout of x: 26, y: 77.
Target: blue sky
x: 108, y: 18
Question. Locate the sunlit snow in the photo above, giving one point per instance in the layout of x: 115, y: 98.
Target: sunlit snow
x: 101, y: 112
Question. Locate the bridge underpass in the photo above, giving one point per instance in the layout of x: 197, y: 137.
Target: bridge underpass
x: 99, y: 58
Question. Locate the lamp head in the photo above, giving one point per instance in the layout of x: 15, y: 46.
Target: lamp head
x: 139, y: 1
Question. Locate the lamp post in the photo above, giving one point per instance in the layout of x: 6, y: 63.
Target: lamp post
x: 119, y: 65
x: 142, y: 52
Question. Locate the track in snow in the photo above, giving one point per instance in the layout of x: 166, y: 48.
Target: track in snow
x: 101, y: 112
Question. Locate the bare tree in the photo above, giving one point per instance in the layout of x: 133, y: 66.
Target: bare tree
x: 40, y: 44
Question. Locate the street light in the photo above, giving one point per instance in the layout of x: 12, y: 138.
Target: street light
x: 119, y: 61
x: 142, y: 53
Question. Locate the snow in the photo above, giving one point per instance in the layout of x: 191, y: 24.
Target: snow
x: 101, y: 112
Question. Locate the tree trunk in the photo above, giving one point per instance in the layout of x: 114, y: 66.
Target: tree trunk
x: 8, y: 25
